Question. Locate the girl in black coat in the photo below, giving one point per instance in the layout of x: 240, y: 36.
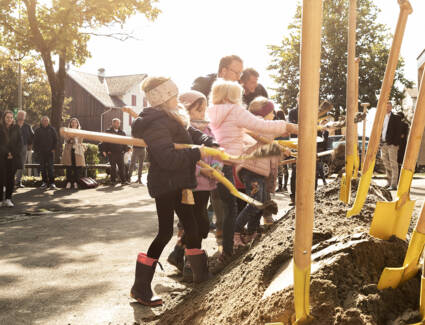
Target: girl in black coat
x: 170, y: 172
x: 10, y: 159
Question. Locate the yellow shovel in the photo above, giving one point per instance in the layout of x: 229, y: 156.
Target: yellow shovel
x: 394, y: 276
x: 112, y: 138
x: 345, y: 190
x: 369, y: 162
x: 306, y: 161
x: 421, y: 298
x: 232, y: 189
x: 393, y: 218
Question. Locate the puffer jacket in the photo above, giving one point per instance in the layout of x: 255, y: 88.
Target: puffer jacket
x: 170, y: 169
x: 228, y: 124
x: 262, y: 166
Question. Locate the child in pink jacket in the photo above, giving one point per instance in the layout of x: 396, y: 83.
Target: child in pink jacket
x: 229, y: 120
x: 255, y: 175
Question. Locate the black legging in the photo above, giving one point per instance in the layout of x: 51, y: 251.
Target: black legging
x: 166, y: 205
x: 7, y: 176
x: 201, y: 215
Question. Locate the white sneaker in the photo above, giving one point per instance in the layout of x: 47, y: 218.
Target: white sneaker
x: 8, y: 203
x: 76, y: 185
x: 68, y: 185
x: 43, y: 186
x: 52, y: 187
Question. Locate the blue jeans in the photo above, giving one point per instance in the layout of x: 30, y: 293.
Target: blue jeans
x: 46, y: 166
x: 230, y: 211
x: 255, y: 188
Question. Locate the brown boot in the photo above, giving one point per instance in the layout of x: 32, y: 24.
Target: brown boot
x: 141, y: 290
x: 199, y: 264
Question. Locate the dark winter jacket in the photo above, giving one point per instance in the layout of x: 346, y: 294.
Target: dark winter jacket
x: 259, y: 91
x: 45, y: 140
x: 293, y: 118
x: 204, y: 84
x: 27, y: 134
x: 170, y: 169
x: 393, y: 136
x: 11, y: 143
x: 114, y: 148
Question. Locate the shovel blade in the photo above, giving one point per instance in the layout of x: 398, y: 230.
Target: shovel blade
x: 302, y: 294
x: 362, y: 191
x: 394, y: 276
x: 390, y: 219
x: 344, y: 192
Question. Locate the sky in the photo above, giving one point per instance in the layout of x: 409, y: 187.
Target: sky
x: 190, y: 36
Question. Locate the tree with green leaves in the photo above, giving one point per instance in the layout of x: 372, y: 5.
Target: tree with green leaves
x: 58, y: 31
x: 36, y: 94
x: 372, y: 48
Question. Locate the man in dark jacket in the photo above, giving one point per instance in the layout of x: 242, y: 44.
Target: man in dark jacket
x: 45, y: 141
x: 115, y: 153
x: 230, y: 68
x: 27, y: 135
x: 390, y: 142
x: 251, y: 87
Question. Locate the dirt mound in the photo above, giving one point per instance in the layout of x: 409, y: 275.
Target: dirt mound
x: 343, y: 289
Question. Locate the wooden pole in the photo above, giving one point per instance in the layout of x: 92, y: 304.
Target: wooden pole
x: 306, y: 161
x: 365, y: 106
x: 372, y: 148
x: 351, y: 100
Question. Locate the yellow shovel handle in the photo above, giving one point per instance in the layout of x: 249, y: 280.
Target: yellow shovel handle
x: 228, y: 184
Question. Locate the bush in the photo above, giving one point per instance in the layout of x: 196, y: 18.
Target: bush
x: 92, y: 158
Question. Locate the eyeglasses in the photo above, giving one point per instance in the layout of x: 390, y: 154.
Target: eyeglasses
x: 237, y: 73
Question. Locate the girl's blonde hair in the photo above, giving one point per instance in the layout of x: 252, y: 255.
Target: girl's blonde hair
x: 153, y: 82
x: 224, y: 92
x: 257, y: 104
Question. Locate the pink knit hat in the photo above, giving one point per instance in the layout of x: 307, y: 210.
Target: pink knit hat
x: 188, y: 98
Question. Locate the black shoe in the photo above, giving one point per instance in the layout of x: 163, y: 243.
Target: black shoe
x: 125, y: 183
x: 392, y: 188
x: 141, y: 290
x: 292, y: 203
x: 176, y: 257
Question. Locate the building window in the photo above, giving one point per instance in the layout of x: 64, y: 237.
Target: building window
x: 133, y: 100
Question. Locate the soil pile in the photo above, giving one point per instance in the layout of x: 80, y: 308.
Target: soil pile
x: 343, y: 289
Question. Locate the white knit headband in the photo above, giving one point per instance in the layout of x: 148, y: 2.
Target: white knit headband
x: 162, y: 93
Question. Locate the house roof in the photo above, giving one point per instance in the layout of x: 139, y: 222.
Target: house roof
x: 106, y: 89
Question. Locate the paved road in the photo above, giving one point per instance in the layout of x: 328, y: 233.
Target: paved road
x: 68, y: 257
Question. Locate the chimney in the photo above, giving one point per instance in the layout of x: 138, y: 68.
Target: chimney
x: 101, y: 74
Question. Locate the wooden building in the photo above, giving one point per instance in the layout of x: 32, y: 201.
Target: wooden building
x: 97, y: 99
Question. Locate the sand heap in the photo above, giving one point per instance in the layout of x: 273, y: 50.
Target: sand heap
x: 343, y: 290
